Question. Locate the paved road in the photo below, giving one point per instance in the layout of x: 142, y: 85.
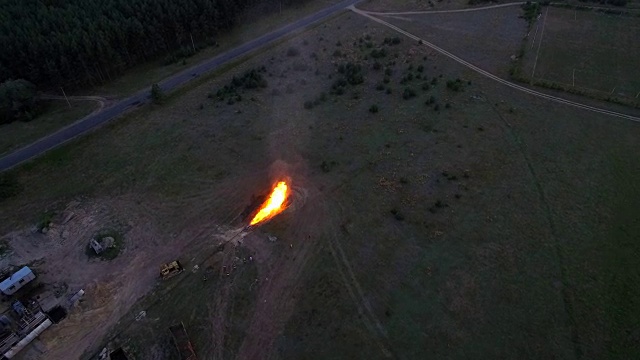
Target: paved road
x: 490, y: 75
x: 94, y: 120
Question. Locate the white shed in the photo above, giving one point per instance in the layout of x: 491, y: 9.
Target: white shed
x: 17, y: 280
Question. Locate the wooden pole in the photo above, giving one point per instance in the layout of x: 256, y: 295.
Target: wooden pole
x: 65, y: 96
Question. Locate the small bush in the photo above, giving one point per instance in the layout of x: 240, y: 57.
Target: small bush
x: 308, y: 105
x: 436, y: 108
x: 392, y: 41
x: 389, y: 91
x: 420, y: 68
x: 380, y: 87
x: 378, y: 53
x: 337, y: 53
x: 292, y: 51
x: 386, y: 80
x: 408, y: 93
x: 426, y: 87
x: 338, y: 43
x: 377, y: 66
x: 157, y: 95
x: 373, y: 109
x: 455, y: 85
x: 431, y: 100
x: 447, y: 106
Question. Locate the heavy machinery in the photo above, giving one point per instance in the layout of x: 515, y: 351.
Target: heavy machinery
x: 171, y: 269
x: 182, y: 342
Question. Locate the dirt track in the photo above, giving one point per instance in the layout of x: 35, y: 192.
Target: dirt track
x: 112, y: 287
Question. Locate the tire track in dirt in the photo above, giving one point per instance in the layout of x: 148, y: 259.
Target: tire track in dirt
x: 494, y: 77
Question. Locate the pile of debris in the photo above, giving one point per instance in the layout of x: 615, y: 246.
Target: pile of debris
x: 100, y: 245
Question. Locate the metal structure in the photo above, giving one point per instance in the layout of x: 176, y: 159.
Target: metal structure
x: 183, y: 344
x: 171, y: 269
x: 17, y: 280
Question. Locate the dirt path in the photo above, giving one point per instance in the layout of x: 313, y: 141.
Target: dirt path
x: 102, y: 101
x: 488, y: 74
x: 112, y: 287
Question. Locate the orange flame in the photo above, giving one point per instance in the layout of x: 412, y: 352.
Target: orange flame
x: 274, y: 205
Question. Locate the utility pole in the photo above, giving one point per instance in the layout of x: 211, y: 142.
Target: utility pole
x: 193, y: 44
x: 65, y: 96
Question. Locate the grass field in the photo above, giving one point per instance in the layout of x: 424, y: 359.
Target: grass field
x: 480, y: 223
x: 588, y: 50
x: 55, y: 114
x: 486, y: 38
x: 253, y: 24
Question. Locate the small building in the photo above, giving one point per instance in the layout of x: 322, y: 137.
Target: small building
x: 17, y: 280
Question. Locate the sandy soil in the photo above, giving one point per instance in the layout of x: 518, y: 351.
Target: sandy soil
x: 112, y: 287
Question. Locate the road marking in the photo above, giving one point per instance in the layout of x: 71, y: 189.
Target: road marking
x: 494, y: 77
x: 533, y: 72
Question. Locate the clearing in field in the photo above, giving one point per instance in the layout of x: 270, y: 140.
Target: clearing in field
x: 433, y: 212
x: 588, y: 50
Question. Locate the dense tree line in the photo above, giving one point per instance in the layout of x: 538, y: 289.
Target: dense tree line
x: 17, y: 101
x: 84, y: 42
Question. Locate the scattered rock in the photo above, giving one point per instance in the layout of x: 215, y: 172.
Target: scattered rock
x: 272, y: 238
x: 108, y: 242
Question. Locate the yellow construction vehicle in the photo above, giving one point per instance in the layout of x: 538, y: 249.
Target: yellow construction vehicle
x: 171, y: 269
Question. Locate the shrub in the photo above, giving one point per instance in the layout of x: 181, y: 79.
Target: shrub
x: 436, y: 108
x: 377, y: 66
x: 17, y: 101
x: 408, y: 93
x: 378, y: 53
x: 420, y: 68
x: 392, y: 41
x: 431, y: 100
x: 338, y: 43
x: 337, y: 53
x: 373, y: 109
x: 308, y: 105
x: 455, y: 85
x: 292, y: 51
x: 447, y: 106
x: 386, y: 80
x: 380, y: 87
x: 157, y: 95
x: 388, y: 71
x: 389, y: 91
x: 426, y: 86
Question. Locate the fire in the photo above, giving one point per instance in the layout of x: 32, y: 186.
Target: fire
x: 274, y: 205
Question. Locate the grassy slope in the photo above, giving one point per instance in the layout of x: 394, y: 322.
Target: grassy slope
x: 534, y: 260
x: 56, y: 114
x: 607, y: 65
x: 252, y: 25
